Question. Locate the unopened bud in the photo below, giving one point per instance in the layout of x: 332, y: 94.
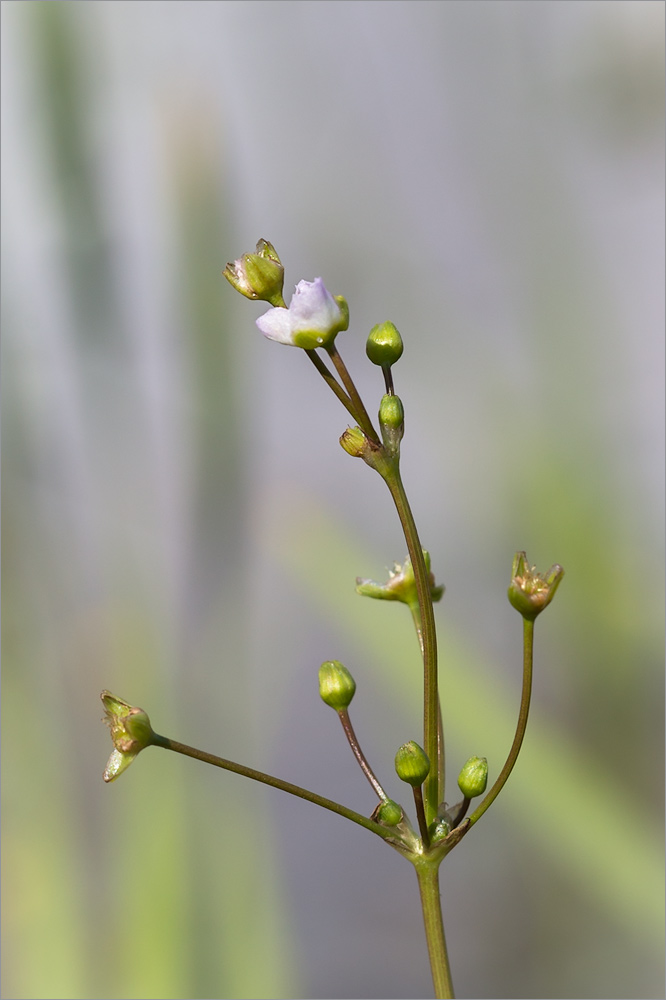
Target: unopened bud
x: 473, y: 778
x: 412, y: 764
x: 384, y: 346
x: 439, y: 831
x: 388, y: 812
x: 336, y: 685
x: 392, y: 423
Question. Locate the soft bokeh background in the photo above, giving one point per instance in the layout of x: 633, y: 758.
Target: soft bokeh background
x: 181, y: 526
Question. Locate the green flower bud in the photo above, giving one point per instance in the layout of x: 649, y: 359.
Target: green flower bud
x: 336, y: 685
x: 388, y: 812
x: 258, y: 275
x: 354, y: 442
x: 439, y: 830
x: 412, y: 764
x: 473, y: 778
x: 401, y: 585
x: 131, y: 733
x: 384, y: 346
x: 530, y: 592
x: 392, y: 423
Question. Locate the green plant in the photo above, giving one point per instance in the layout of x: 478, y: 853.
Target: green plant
x: 312, y: 322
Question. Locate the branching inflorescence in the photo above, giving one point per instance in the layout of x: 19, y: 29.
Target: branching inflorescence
x: 311, y: 322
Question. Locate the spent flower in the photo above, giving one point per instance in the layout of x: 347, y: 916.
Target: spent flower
x: 258, y: 275
x: 530, y: 592
x: 131, y: 733
x: 401, y: 585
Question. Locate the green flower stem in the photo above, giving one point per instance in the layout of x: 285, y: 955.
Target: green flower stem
x: 427, y: 636
x: 441, y: 759
x: 362, y: 417
x: 358, y: 753
x: 331, y: 381
x: 528, y: 643
x: 268, y: 779
x: 427, y: 872
x: 420, y: 815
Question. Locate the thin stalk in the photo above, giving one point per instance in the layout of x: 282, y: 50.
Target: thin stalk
x: 441, y: 757
x: 364, y: 420
x: 268, y: 779
x: 428, y: 876
x: 420, y: 815
x: 330, y: 380
x: 360, y: 756
x: 427, y: 635
x: 528, y: 652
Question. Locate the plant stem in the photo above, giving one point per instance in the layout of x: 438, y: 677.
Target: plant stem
x: 441, y: 761
x: 428, y: 875
x: 528, y: 644
x: 420, y: 815
x: 360, y: 756
x: 428, y: 638
x: 361, y: 413
x: 268, y: 779
x: 330, y: 380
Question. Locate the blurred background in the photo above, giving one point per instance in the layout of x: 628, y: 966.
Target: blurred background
x: 182, y: 527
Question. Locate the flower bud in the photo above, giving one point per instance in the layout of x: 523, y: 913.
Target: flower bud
x: 439, y: 830
x: 258, y: 275
x: 336, y: 685
x: 473, y: 778
x: 354, y: 442
x: 131, y: 732
x: 401, y: 585
x: 388, y: 812
x: 392, y: 423
x: 412, y: 764
x: 384, y: 346
x: 530, y: 592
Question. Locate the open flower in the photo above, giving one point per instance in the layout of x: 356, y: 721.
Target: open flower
x: 131, y: 732
x: 530, y: 592
x: 313, y: 319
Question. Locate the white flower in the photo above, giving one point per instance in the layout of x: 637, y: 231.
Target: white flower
x: 313, y: 318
